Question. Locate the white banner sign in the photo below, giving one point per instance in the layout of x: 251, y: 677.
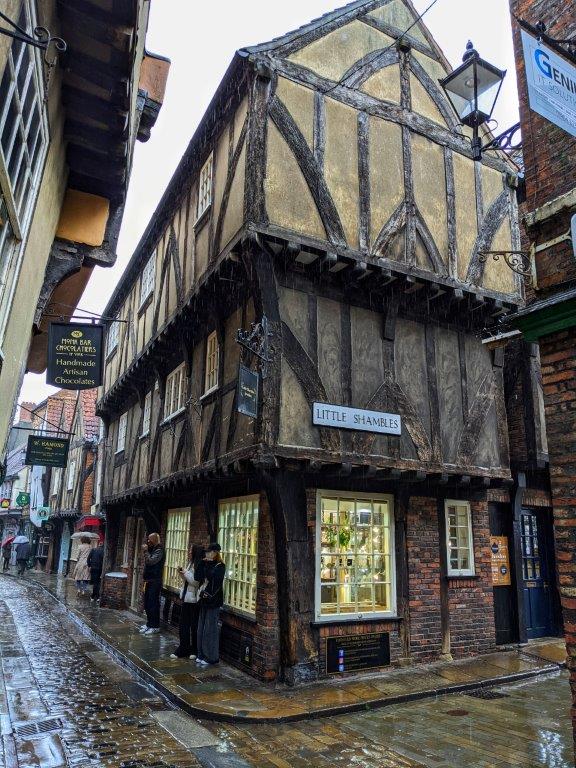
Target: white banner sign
x: 551, y: 84
x: 340, y: 417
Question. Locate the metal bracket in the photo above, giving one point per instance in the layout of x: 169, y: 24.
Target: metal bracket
x: 40, y: 38
x: 521, y: 262
x: 505, y: 141
x: 257, y: 342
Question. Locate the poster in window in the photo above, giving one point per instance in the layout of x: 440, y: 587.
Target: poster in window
x: 75, y: 355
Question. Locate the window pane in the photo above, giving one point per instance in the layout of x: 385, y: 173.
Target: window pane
x: 238, y: 537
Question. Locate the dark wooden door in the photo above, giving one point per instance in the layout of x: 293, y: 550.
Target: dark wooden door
x: 537, y: 574
x: 505, y: 597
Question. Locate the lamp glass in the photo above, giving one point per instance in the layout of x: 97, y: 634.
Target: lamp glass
x: 473, y: 89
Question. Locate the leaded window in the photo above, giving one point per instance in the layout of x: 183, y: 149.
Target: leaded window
x: 238, y: 537
x: 175, y: 394
x: 212, y: 362
x: 121, y: 439
x: 148, y: 278
x: 459, y: 542
x: 205, y: 188
x: 354, y: 555
x: 147, y: 414
x: 112, y: 337
x: 177, y: 536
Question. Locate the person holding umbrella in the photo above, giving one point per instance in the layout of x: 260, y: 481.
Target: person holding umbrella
x: 7, y: 552
x: 22, y: 552
x: 81, y: 573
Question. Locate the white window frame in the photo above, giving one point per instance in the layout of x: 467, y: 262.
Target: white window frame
x: 18, y: 212
x: 121, y: 436
x: 212, y: 363
x: 471, y: 571
x: 146, y: 417
x: 241, y: 585
x: 71, y: 471
x: 176, y: 546
x: 57, y: 479
x: 174, y: 400
x: 205, y: 187
x: 112, y: 337
x: 354, y: 616
x: 148, y: 279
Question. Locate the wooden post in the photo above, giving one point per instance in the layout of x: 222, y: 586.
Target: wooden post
x: 444, y: 593
x: 402, y: 576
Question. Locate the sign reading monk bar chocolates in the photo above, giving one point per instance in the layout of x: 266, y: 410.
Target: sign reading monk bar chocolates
x: 47, y: 451
x: 75, y: 355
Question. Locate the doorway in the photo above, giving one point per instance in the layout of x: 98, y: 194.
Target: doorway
x: 137, y: 565
x: 503, y: 576
x: 538, y: 573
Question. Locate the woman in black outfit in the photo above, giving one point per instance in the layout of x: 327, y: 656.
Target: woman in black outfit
x: 193, y: 576
x: 211, y: 600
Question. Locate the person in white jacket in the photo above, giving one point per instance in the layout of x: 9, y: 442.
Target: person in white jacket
x: 192, y: 577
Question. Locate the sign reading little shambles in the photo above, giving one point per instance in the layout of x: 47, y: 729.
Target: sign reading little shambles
x: 75, y: 355
x: 47, y: 451
x: 341, y: 417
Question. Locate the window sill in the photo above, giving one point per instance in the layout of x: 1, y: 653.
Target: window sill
x: 249, y: 617
x: 172, y: 416
x: 461, y: 576
x: 145, y: 304
x: 208, y: 392
x: 119, y: 451
x: 200, y: 222
x: 371, y: 619
x: 144, y: 435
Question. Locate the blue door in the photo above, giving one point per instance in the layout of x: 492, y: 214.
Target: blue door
x: 538, y: 576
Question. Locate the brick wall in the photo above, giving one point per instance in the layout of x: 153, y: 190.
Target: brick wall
x: 471, y: 603
x: 88, y: 489
x: 424, y: 578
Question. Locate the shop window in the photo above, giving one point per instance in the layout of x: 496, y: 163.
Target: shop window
x: 238, y: 537
x: 212, y: 362
x: 177, y: 536
x: 459, y: 543
x: 43, y: 546
x: 71, y: 473
x: 205, y: 188
x: 354, y: 556
x: 146, y: 416
x: 121, y: 439
x: 112, y: 338
x: 23, y: 145
x: 174, y: 396
x: 148, y: 278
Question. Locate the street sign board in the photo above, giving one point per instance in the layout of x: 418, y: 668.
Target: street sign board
x: 23, y: 499
x: 4, y: 503
x: 248, y: 392
x: 551, y: 84
x: 341, y: 417
x: 47, y: 451
x: 75, y: 355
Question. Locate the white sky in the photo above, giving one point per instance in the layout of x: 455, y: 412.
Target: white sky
x: 200, y: 39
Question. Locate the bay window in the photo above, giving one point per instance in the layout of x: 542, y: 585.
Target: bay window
x: 459, y: 542
x: 354, y: 556
x: 238, y: 537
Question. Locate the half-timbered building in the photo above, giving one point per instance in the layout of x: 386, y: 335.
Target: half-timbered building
x: 329, y: 197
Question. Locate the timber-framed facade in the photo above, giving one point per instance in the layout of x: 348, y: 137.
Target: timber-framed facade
x: 330, y: 189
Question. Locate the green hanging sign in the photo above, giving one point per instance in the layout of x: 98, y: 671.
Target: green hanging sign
x: 23, y: 499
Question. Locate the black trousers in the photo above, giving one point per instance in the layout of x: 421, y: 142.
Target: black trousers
x: 95, y: 578
x: 21, y: 567
x: 6, y: 563
x: 188, y: 630
x: 152, y: 603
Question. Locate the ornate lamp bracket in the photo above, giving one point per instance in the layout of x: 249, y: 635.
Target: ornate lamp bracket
x: 518, y: 261
x: 40, y: 38
x: 257, y: 342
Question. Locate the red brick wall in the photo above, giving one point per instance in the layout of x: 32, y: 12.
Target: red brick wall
x: 471, y: 603
x: 88, y: 489
x: 424, y: 578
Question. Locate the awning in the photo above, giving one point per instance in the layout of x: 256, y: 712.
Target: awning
x: 89, y: 521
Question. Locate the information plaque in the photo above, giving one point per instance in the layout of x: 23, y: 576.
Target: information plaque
x: 47, y: 451
x: 354, y: 653
x: 500, y: 561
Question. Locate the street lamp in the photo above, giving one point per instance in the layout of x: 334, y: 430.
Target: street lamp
x: 472, y: 89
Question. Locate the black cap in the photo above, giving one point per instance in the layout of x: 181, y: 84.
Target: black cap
x: 214, y: 547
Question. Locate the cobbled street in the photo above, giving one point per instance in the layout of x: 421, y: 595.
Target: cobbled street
x: 65, y: 702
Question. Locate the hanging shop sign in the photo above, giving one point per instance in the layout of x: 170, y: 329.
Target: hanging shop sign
x: 4, y: 503
x: 500, y: 561
x: 248, y: 391
x: 551, y: 84
x: 75, y: 355
x: 341, y: 417
x: 23, y: 499
x: 47, y: 451
x: 354, y: 653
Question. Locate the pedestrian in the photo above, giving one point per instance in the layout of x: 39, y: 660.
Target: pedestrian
x: 193, y: 576
x: 22, y: 555
x: 211, y: 600
x: 6, y: 553
x: 95, y: 563
x: 154, y: 557
x: 81, y: 573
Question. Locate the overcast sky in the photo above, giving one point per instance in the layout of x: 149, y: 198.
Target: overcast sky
x: 200, y: 39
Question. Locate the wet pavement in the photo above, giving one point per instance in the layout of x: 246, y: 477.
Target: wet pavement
x: 64, y: 702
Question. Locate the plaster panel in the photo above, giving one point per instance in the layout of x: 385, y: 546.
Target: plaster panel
x: 384, y: 84
x: 330, y: 348
x: 220, y: 171
x: 367, y: 361
x: 201, y: 252
x: 430, y: 189
x: 332, y: 55
x: 397, y: 15
x: 465, y: 210
x: 492, y: 185
x: 231, y: 347
x: 449, y: 391
x: 412, y: 375
x: 478, y: 366
x: 423, y: 103
x: 386, y: 172
x: 295, y: 412
x: 497, y: 274
x: 341, y: 164
x: 289, y: 203
x: 234, y: 215
x: 435, y: 69
x: 294, y: 312
x: 300, y: 103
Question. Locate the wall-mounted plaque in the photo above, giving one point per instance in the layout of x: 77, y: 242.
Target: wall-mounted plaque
x: 342, y: 417
x: 75, y: 355
x: 353, y: 653
x: 500, y: 561
x: 247, y: 391
x: 47, y: 451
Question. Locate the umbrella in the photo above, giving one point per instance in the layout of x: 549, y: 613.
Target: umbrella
x: 20, y: 539
x: 8, y: 540
x: 84, y: 534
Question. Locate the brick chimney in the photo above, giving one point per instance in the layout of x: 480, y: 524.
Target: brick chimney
x: 25, y: 411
